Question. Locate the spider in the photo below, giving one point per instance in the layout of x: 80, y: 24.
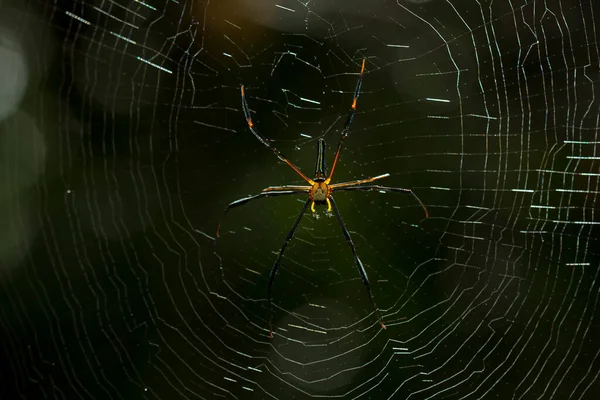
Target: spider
x: 319, y: 192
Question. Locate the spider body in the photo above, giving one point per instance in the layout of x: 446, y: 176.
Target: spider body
x: 319, y: 191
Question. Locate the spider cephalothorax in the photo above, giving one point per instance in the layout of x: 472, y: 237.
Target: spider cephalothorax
x: 319, y: 192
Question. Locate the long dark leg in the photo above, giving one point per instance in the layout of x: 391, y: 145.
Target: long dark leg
x: 269, y: 193
x: 385, y: 189
x: 359, y: 264
x: 348, y: 122
x: 289, y: 237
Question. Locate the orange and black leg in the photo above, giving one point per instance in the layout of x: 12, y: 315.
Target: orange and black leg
x: 358, y: 182
x: 266, y: 141
x: 348, y: 122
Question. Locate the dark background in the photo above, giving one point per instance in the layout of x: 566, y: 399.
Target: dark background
x: 122, y: 140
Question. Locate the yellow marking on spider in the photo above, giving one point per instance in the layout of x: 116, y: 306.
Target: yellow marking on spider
x: 312, y: 207
x: 328, y: 205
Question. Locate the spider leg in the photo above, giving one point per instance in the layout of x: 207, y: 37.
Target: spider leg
x: 386, y: 189
x: 287, y: 188
x: 278, y: 260
x: 359, y: 264
x: 245, y: 200
x: 359, y: 182
x: 266, y: 141
x: 348, y: 122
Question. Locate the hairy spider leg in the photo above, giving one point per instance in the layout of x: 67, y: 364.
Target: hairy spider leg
x: 278, y: 260
x: 386, y: 189
x: 245, y: 200
x: 359, y: 264
x: 266, y: 141
x: 348, y: 122
x: 287, y: 187
x: 358, y: 182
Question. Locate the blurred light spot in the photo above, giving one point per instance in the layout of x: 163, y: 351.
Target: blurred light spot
x: 15, y: 232
x: 22, y: 162
x: 13, y: 73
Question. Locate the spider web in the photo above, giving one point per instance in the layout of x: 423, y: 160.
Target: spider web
x: 123, y: 140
